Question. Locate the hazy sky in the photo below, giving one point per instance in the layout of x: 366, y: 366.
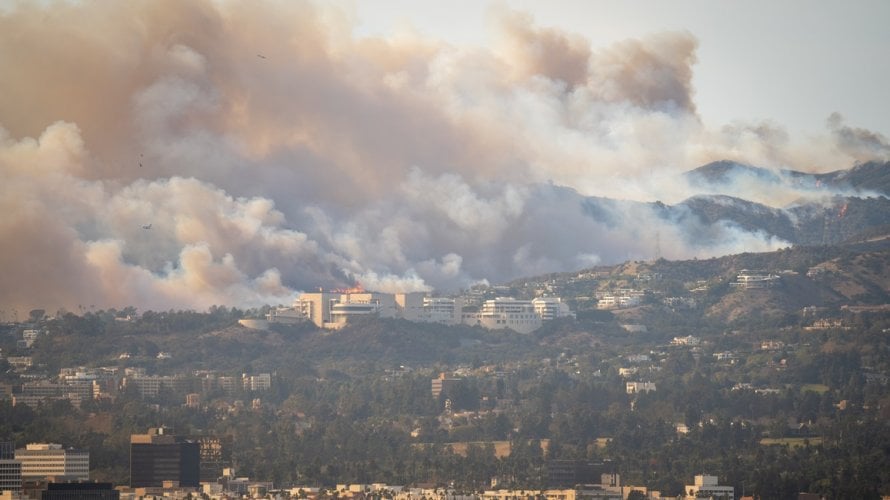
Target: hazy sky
x: 793, y: 62
x: 282, y: 146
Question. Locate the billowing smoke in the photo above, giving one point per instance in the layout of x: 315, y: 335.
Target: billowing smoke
x: 861, y: 144
x: 170, y: 154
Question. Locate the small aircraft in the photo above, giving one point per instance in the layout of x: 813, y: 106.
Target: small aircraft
x: 261, y: 56
x: 146, y: 226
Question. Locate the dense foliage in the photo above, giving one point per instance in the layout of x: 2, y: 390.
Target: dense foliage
x: 807, y: 412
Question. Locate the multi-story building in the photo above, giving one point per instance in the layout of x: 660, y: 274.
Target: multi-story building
x: 443, y: 310
x: 316, y: 307
x: 148, y: 386
x: 505, y: 312
x: 335, y: 310
x: 34, y: 393
x: 443, y: 384
x: 753, y: 280
x: 42, y: 461
x: 261, y: 382
x: 20, y: 363
x: 160, y: 456
x: 215, y: 456
x: 10, y: 468
x: 707, y: 487
x: 611, y: 301
x: 549, y: 308
x: 227, y: 383
x: 567, y: 473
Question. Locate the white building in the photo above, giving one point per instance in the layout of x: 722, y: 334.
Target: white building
x: 443, y: 310
x: 551, y: 308
x: 688, y: 340
x: 48, y: 460
x: 752, y: 280
x: 506, y: 312
x: 638, y: 387
x: 618, y: 301
x: 29, y: 337
x: 628, y: 371
x: 707, y: 487
x: 335, y: 310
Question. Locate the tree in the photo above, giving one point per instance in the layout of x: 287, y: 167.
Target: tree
x: 36, y: 315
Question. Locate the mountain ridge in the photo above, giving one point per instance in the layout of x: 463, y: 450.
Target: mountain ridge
x: 840, y: 206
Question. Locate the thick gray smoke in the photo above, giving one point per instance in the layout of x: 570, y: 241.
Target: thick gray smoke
x: 271, y: 151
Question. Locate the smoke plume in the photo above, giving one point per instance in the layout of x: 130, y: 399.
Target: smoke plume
x: 171, y: 154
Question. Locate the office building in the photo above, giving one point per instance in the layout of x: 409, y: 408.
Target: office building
x: 160, y: 456
x: 215, y: 455
x: 10, y: 468
x: 42, y: 461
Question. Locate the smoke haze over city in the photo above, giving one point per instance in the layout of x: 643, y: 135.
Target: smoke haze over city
x: 185, y: 154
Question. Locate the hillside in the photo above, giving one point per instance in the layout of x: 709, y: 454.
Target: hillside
x: 828, y: 277
x: 873, y: 176
x: 752, y: 366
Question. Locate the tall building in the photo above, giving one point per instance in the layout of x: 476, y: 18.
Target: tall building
x: 215, y: 456
x: 10, y: 468
x: 161, y: 456
x: 41, y: 461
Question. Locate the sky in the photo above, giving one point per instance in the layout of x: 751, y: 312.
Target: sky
x: 275, y: 147
x: 792, y: 62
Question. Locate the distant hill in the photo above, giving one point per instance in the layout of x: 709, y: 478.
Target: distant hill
x: 870, y: 176
x: 724, y: 172
x: 855, y: 205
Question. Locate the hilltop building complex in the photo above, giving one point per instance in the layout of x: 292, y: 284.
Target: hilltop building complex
x: 335, y: 309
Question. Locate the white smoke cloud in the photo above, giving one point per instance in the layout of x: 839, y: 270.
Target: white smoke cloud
x: 273, y: 151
